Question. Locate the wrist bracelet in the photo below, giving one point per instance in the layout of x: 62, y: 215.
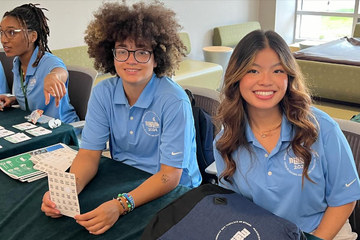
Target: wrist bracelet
x: 129, y: 200
x: 122, y: 204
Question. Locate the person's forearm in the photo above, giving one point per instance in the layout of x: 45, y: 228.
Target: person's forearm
x: 61, y: 74
x: 85, y: 167
x: 157, y: 185
x: 333, y: 220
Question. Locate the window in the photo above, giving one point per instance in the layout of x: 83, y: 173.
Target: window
x: 325, y: 20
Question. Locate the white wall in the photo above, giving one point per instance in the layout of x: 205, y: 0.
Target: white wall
x: 69, y: 18
x: 278, y: 15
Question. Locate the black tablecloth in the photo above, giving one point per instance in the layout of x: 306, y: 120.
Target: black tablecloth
x: 21, y: 217
x: 12, y: 116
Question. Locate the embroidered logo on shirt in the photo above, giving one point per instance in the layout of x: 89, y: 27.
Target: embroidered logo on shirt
x: 232, y: 229
x: 32, y: 81
x: 175, y: 153
x: 295, y: 165
x: 348, y: 184
x: 151, y: 124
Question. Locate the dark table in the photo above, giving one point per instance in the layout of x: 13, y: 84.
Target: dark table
x: 12, y: 116
x: 21, y: 217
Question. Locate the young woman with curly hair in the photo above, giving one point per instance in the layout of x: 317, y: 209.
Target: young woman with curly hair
x: 275, y: 148
x: 146, y: 116
x: 37, y: 73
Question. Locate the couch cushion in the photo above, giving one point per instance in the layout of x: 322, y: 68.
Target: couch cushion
x: 332, y: 81
x: 230, y: 35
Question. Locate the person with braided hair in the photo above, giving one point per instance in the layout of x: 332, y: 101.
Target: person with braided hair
x: 40, y: 78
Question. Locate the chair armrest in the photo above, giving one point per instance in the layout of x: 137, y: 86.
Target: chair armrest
x: 79, y: 124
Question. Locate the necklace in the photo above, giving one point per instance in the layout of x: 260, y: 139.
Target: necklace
x: 264, y: 134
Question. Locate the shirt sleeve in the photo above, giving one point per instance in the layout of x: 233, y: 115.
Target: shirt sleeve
x: 97, y: 127
x: 177, y: 146
x: 3, y: 83
x: 342, y: 180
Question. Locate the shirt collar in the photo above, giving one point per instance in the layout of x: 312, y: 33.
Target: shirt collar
x: 30, y: 69
x: 145, y: 98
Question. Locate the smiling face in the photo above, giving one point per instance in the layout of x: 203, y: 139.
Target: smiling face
x: 265, y: 84
x: 131, y: 71
x: 18, y: 45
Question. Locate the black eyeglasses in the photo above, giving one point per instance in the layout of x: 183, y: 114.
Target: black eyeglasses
x: 122, y: 54
x: 10, y: 33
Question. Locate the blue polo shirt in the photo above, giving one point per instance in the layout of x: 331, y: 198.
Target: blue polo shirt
x: 34, y: 83
x: 157, y: 129
x: 273, y: 181
x: 3, y: 83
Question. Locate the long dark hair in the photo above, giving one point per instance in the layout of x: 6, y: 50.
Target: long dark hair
x: 32, y: 17
x: 295, y: 104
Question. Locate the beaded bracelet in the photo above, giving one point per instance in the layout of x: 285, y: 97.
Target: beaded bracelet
x: 122, y: 204
x: 129, y: 200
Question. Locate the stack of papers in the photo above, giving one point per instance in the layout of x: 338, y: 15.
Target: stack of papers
x: 58, y: 157
x: 51, y: 161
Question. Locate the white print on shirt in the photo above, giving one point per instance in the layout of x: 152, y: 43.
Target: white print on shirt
x: 151, y: 124
x: 295, y: 165
x: 32, y: 81
x: 241, y: 235
x: 348, y: 184
x: 175, y: 153
x: 232, y: 229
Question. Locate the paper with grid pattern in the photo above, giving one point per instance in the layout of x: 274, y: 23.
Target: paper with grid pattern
x: 62, y: 188
x: 59, y: 159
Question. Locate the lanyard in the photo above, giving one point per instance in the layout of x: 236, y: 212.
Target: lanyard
x: 23, y: 87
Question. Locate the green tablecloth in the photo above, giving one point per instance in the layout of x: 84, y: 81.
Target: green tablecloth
x: 11, y: 116
x: 21, y: 217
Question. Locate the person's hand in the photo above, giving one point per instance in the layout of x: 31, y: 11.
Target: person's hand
x: 6, y: 101
x: 101, y: 218
x: 55, y: 87
x: 48, y: 207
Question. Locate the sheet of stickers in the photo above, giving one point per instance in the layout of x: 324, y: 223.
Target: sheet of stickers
x: 51, y: 161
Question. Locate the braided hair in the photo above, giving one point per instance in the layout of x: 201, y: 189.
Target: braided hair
x: 32, y: 17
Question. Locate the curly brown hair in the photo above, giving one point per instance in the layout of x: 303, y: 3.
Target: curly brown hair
x: 149, y: 24
x: 295, y: 104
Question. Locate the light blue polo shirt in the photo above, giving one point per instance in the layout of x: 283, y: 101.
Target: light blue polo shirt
x: 157, y: 129
x: 273, y: 181
x: 34, y: 80
x: 3, y: 83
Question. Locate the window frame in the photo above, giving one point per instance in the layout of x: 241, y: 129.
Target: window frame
x: 299, y: 13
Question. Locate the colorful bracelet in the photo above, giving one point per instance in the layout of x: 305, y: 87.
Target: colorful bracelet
x: 129, y: 200
x: 122, y: 204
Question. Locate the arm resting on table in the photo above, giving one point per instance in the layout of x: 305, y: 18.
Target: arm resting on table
x: 85, y: 166
x: 157, y: 185
x: 333, y: 220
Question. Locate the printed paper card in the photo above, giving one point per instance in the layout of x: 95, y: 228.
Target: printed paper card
x: 18, y: 167
x: 18, y: 137
x: 60, y: 159
x: 24, y: 126
x: 39, y: 131
x: 4, y: 132
x: 62, y: 188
